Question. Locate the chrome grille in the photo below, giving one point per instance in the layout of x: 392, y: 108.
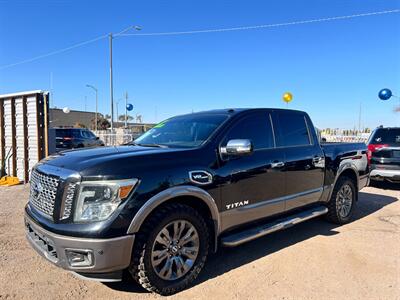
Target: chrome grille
x: 43, y: 190
x: 68, y: 200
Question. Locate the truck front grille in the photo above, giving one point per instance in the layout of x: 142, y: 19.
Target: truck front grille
x: 43, y: 191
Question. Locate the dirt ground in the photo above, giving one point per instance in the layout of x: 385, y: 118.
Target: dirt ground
x: 314, y: 260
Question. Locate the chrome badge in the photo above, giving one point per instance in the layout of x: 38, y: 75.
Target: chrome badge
x: 200, y: 177
x: 36, y: 189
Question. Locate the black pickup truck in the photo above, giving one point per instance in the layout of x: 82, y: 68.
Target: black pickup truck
x: 159, y: 206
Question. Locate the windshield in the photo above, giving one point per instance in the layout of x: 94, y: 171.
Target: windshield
x: 183, y: 131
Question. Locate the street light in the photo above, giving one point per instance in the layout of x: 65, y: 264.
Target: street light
x: 111, y: 37
x: 95, y: 116
x: 117, y: 106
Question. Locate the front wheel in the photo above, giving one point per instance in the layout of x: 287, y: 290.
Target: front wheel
x: 170, y: 250
x: 342, y: 202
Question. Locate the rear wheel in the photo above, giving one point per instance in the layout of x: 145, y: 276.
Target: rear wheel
x: 170, y: 250
x: 342, y: 202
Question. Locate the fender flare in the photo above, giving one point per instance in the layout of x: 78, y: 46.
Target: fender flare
x: 178, y: 191
x: 344, y: 166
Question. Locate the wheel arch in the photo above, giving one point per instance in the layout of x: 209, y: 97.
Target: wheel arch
x: 350, y: 171
x: 188, y: 195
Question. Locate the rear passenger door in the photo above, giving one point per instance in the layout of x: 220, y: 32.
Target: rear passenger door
x: 304, y: 158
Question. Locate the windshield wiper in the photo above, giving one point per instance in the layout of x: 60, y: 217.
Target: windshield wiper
x: 151, y: 145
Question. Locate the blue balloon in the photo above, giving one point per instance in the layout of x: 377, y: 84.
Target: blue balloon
x: 385, y: 94
x: 129, y: 107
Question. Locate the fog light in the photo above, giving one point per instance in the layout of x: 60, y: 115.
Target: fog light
x: 79, y: 258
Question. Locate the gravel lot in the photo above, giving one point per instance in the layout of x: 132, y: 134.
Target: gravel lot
x: 314, y: 260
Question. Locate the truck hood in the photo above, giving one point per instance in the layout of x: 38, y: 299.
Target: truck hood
x: 85, y: 159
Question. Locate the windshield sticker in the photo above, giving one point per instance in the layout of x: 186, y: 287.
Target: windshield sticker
x: 159, y: 125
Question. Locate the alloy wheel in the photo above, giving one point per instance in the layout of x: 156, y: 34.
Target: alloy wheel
x: 175, y: 250
x: 344, y: 200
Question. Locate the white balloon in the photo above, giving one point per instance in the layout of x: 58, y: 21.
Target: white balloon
x: 66, y: 110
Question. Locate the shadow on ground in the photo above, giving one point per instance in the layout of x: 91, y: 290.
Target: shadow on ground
x: 385, y: 185
x: 227, y: 259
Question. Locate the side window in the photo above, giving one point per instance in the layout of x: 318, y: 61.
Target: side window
x: 255, y: 127
x: 90, y: 134
x: 76, y: 133
x: 293, y: 130
x: 85, y: 134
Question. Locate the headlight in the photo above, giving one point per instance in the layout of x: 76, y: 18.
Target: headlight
x: 97, y: 200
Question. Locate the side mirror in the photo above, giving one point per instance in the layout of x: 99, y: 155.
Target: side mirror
x: 237, y: 147
x: 97, y: 138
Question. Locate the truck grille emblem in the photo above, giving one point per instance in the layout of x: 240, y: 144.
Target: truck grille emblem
x: 36, y: 189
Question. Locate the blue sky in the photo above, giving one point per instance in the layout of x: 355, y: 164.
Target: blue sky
x: 329, y: 67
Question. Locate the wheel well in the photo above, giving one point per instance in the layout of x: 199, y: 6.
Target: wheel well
x: 350, y: 173
x: 201, y: 207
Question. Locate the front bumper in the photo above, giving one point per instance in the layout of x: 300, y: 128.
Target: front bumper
x: 384, y: 174
x: 108, y: 257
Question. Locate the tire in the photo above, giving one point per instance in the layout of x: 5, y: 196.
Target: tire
x: 342, y: 203
x: 144, y: 266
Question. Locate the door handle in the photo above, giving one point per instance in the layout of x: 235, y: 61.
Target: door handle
x: 278, y: 164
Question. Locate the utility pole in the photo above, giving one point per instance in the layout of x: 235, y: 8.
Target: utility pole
x: 111, y: 37
x: 95, y: 116
x: 359, y: 119
x: 126, y: 110
x: 111, y: 83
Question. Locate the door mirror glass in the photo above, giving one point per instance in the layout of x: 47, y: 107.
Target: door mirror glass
x: 237, y: 147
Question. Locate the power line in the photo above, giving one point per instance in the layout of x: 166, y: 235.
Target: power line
x: 264, y: 26
x: 53, y: 52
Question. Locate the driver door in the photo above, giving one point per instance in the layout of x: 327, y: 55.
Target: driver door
x: 254, y: 184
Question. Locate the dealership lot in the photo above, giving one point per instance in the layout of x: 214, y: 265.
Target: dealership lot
x: 315, y: 260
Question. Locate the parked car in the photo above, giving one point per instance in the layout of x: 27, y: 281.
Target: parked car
x: 384, y: 154
x: 71, y: 138
x: 193, y: 183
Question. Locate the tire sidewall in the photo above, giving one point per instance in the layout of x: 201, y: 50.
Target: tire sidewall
x: 184, y: 281
x: 350, y: 183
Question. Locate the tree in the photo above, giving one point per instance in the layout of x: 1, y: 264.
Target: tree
x: 102, y: 123
x: 122, y: 118
x: 79, y: 125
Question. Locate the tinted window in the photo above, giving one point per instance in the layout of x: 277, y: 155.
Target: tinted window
x: 255, y: 127
x: 293, y: 129
x: 91, y: 134
x: 63, y: 133
x: 386, y: 136
x: 76, y: 133
x: 87, y: 134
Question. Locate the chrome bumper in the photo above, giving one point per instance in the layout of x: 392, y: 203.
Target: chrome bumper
x: 107, y: 256
x: 381, y: 174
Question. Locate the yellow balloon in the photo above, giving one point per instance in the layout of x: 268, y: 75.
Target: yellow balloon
x: 287, y: 97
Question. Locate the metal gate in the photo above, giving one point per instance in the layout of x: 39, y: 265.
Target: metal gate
x: 23, y: 131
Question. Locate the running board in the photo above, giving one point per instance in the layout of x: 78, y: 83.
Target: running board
x: 241, y: 237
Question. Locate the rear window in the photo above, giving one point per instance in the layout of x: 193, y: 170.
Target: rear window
x: 63, y: 133
x: 386, y: 136
x: 68, y: 133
